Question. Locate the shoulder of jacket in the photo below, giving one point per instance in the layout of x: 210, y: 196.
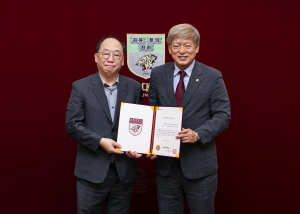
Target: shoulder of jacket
x: 128, y: 80
x: 84, y: 80
x: 208, y: 69
x: 163, y: 67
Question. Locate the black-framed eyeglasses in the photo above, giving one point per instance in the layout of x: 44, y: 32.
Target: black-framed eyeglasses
x: 106, y: 55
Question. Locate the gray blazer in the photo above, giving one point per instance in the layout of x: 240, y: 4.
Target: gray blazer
x: 206, y: 111
x: 88, y: 120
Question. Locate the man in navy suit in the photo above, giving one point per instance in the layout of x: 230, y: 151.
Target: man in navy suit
x: 104, y: 174
x: 201, y: 91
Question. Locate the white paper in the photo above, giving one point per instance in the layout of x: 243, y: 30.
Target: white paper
x: 135, y: 127
x: 167, y: 125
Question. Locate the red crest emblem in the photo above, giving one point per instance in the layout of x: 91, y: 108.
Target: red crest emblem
x: 135, y: 126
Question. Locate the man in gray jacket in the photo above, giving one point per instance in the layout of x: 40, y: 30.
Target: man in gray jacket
x: 201, y: 91
x: 104, y: 174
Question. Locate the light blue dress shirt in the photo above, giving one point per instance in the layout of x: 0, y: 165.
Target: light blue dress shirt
x: 176, y: 76
x: 111, y: 95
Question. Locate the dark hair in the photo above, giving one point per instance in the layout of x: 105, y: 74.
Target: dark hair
x: 112, y: 37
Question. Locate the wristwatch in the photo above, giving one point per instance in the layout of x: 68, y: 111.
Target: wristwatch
x: 198, y: 137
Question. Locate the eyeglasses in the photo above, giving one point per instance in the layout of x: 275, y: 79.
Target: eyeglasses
x: 106, y: 55
x: 177, y: 47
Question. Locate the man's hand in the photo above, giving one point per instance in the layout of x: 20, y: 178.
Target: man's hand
x: 131, y: 154
x: 187, y: 136
x: 110, y: 146
x: 152, y: 157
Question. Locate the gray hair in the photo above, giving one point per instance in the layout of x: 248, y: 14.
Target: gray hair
x: 183, y: 31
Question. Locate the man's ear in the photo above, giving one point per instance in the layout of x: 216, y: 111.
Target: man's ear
x: 96, y: 57
x: 169, y: 48
x: 197, y: 48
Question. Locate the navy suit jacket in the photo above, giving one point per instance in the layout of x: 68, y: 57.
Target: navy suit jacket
x: 206, y: 111
x: 88, y: 120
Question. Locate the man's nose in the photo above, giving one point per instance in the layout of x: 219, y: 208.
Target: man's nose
x: 182, y: 49
x: 110, y: 58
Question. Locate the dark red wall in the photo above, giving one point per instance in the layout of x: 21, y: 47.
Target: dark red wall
x: 46, y: 45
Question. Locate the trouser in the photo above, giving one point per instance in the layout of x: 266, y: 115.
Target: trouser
x: 115, y: 194
x: 173, y: 188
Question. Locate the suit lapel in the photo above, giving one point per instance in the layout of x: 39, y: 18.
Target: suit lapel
x: 98, y: 90
x: 122, y: 92
x: 194, y: 82
x: 168, y: 81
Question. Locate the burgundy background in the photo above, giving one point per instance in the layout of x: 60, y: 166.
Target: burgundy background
x: 46, y: 45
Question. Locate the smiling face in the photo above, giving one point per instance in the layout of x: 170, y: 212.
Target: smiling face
x: 109, y: 67
x: 183, y: 51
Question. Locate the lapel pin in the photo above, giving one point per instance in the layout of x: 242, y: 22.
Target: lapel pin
x: 197, y: 80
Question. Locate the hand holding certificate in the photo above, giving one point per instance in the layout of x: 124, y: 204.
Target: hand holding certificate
x: 150, y: 129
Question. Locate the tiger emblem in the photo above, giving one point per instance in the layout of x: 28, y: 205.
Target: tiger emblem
x: 135, y: 128
x: 147, y: 61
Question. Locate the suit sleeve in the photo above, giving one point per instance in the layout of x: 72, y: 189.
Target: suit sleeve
x: 139, y: 98
x: 152, y: 94
x: 219, y: 111
x: 74, y: 122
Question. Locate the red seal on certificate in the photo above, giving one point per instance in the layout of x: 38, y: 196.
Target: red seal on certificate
x: 174, y: 151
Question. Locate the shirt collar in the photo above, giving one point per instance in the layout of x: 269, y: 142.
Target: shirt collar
x: 105, y: 84
x: 188, y: 70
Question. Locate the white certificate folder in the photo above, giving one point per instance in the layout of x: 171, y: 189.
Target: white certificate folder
x: 150, y: 129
